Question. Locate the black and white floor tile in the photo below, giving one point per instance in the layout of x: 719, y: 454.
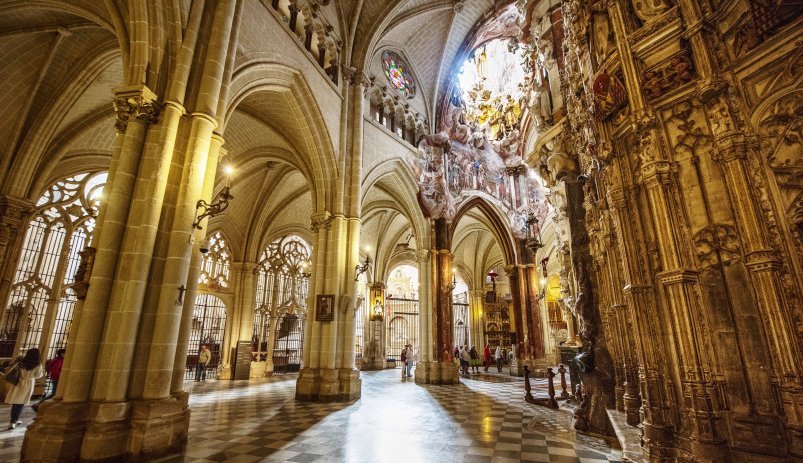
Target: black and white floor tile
x: 483, y: 419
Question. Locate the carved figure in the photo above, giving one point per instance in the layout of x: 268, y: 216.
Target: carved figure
x: 647, y: 10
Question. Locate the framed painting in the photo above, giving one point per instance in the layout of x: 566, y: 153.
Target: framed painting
x: 325, y: 308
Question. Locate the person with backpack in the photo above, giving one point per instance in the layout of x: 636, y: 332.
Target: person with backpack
x: 475, y: 360
x: 20, y: 394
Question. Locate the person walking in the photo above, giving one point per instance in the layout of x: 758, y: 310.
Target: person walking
x: 486, y: 356
x: 54, y: 373
x: 499, y: 358
x: 20, y: 393
x: 203, y: 362
x: 403, y: 358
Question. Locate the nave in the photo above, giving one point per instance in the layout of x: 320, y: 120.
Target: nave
x: 479, y: 420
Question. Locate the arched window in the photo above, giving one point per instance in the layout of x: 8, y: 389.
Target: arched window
x: 215, y: 263
x: 39, y: 309
x: 281, y: 302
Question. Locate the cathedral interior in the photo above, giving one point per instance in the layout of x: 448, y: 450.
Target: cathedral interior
x: 606, y: 193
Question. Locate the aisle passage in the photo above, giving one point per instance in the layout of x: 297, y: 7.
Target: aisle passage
x: 396, y: 420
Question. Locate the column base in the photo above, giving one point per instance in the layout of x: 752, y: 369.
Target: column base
x: 158, y: 427
x: 372, y: 364
x: 106, y: 436
x: 57, y: 432
x: 328, y: 385
x: 436, y: 373
x: 224, y: 372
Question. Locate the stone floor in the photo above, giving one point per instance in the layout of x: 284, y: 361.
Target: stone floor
x: 483, y: 419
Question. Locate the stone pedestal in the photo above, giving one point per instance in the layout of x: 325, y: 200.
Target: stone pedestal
x: 328, y: 385
x: 350, y: 384
x: 56, y: 433
x: 436, y: 373
x: 158, y: 427
x: 374, y: 347
x: 106, y: 436
x: 224, y: 372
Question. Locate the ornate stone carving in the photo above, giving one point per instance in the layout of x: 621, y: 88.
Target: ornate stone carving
x: 717, y: 242
x: 319, y: 220
x: 648, y: 10
x: 84, y: 272
x: 668, y: 75
x: 137, y: 102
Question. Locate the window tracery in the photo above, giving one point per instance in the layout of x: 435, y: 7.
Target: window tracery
x: 61, y: 227
x: 398, y: 73
x: 281, y: 295
x: 215, y: 264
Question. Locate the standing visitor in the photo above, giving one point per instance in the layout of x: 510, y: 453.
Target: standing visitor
x: 410, y: 360
x: 465, y: 357
x: 475, y: 360
x: 486, y: 356
x: 203, y: 361
x: 404, y: 360
x: 499, y: 359
x: 20, y: 394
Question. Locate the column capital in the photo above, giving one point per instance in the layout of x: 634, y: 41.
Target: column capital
x: 14, y: 210
x: 321, y: 219
x: 422, y: 256
x: 137, y: 102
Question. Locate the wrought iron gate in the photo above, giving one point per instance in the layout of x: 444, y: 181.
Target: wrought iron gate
x: 208, y: 326
x: 289, y: 341
x: 462, y: 329
x: 402, y: 316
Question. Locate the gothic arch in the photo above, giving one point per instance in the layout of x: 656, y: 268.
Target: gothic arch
x: 498, y: 226
x: 315, y: 150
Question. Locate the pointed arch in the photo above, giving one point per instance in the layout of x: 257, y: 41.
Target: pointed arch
x: 497, y: 221
x: 313, y: 141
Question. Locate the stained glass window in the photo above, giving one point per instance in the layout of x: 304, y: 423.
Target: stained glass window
x: 398, y: 73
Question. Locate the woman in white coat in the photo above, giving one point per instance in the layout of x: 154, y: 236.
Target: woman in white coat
x: 20, y: 394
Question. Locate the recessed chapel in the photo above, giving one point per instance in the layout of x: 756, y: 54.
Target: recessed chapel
x: 402, y: 230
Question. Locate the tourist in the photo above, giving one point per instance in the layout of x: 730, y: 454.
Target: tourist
x: 54, y: 372
x: 20, y: 393
x: 410, y: 360
x: 203, y: 362
x: 465, y: 358
x: 403, y: 358
x: 486, y: 356
x: 499, y: 358
x: 475, y: 360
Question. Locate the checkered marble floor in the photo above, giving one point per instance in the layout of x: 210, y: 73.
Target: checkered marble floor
x: 479, y: 420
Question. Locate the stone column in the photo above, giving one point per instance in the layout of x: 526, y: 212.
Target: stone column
x: 326, y: 376
x: 246, y: 308
x: 442, y: 292
x: 58, y: 431
x: 374, y: 358
x: 640, y: 299
x: 681, y: 286
x: 191, y: 286
x: 733, y: 152
x: 535, y: 313
x: 427, y: 350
